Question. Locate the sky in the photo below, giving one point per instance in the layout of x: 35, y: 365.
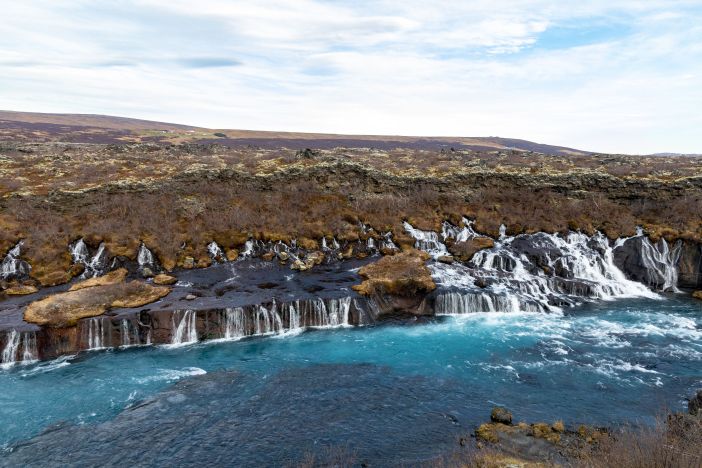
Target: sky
x: 620, y: 76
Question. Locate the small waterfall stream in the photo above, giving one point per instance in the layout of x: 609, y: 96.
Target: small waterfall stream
x: 12, y: 266
x: 184, y: 327
x: 215, y: 252
x: 20, y: 347
x: 97, y: 333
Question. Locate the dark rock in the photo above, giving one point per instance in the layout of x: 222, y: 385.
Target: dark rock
x: 501, y: 415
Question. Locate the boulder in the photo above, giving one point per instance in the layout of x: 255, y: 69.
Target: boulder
x: 314, y: 258
x: 445, y: 259
x: 283, y: 256
x: 232, y: 254
x: 465, y: 250
x: 298, y: 265
x: 697, y: 295
x: 501, y: 415
x: 146, y: 272
x: 399, y: 284
x: 190, y: 297
x: 65, y: 309
x: 113, y: 277
x: 404, y: 274
x: 21, y: 290
x: 164, y: 279
x: 189, y: 263
x: 268, y: 256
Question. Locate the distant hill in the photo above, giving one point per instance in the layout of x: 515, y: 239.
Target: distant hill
x: 88, y: 128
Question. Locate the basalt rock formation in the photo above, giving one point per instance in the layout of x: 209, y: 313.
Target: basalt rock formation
x: 433, y: 230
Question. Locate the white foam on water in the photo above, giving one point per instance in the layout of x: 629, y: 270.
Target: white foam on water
x: 170, y: 375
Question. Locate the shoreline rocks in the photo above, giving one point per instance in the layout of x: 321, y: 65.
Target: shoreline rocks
x: 66, y: 308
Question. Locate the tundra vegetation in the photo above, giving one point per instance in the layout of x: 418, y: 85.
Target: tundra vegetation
x: 178, y: 198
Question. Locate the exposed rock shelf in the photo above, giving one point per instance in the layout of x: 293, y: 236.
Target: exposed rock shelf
x: 261, y: 296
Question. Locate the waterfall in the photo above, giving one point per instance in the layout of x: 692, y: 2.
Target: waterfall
x: 261, y: 320
x: 426, y: 240
x: 387, y: 242
x: 98, y: 264
x: 129, y: 332
x: 248, y: 250
x: 145, y: 258
x: 534, y: 272
x: 12, y: 266
x: 236, y: 323
x: 184, y: 329
x: 661, y: 262
x: 293, y: 312
x: 97, y: 332
x: 95, y: 265
x: 463, y: 234
x: 79, y: 252
x: 317, y: 312
x: 471, y: 302
x: 267, y: 321
x: 338, y: 312
x: 216, y: 253
x: 16, y: 341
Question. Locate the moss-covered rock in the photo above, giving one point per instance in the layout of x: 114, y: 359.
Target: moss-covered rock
x: 113, y: 277
x: 65, y: 309
x: 404, y: 274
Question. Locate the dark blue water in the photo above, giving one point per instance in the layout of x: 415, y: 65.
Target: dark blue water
x: 400, y: 392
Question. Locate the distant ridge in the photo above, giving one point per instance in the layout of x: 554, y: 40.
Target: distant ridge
x: 90, y: 128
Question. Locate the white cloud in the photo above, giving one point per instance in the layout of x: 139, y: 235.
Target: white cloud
x: 452, y: 68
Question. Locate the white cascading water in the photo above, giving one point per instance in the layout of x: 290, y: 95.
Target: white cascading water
x: 184, y: 327
x: 98, y: 263
x: 236, y: 324
x: 540, y: 272
x: 145, y: 258
x: 79, y: 252
x: 216, y: 253
x: 248, y: 250
x: 12, y: 266
x: 387, y: 242
x: 267, y: 320
x: 97, y: 331
x: 95, y: 265
x: 660, y: 260
x: 291, y: 316
x: 463, y: 234
x: 15, y: 340
x: 129, y: 333
x: 426, y: 240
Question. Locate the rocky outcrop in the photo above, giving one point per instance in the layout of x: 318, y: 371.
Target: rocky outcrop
x: 398, y: 284
x: 165, y: 280
x: 464, y: 250
x: 113, y: 277
x: 65, y: 309
x: 690, y: 265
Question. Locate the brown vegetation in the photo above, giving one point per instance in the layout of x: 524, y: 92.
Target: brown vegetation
x: 176, y: 199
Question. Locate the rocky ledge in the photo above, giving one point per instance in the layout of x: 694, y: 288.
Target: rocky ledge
x: 278, y: 287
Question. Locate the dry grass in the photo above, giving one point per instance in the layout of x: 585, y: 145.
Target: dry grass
x: 675, y: 442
